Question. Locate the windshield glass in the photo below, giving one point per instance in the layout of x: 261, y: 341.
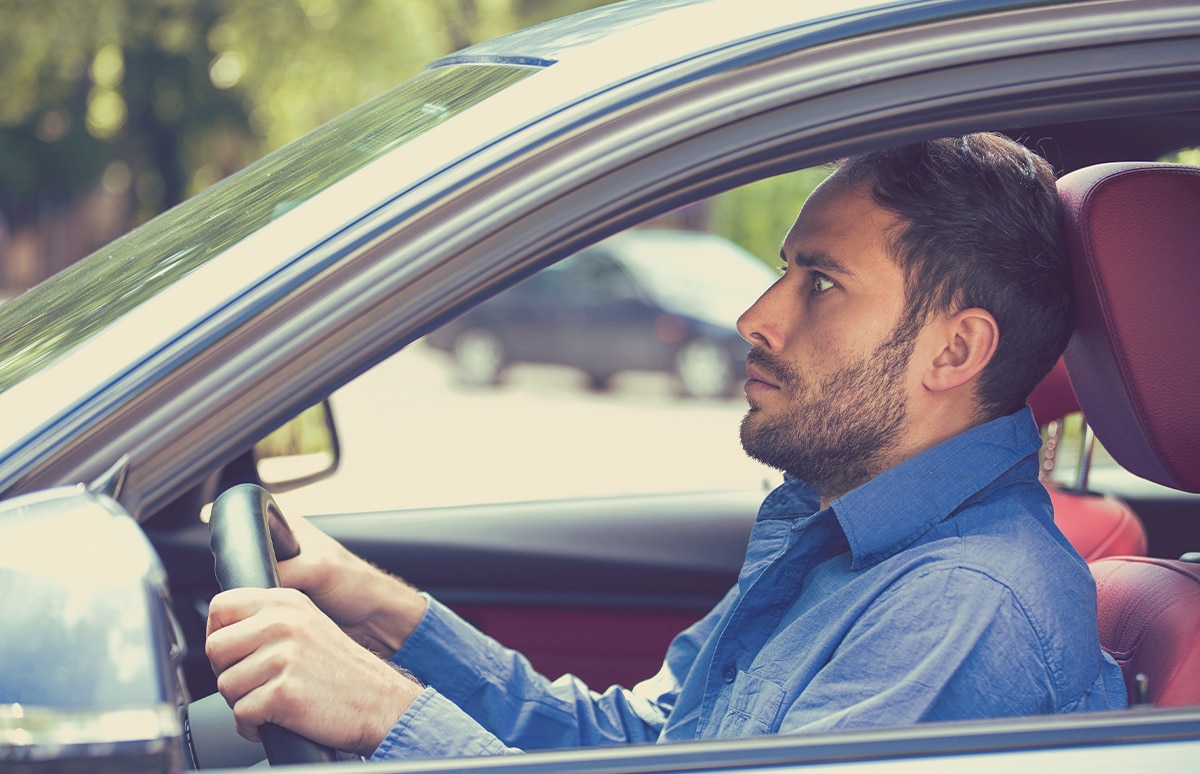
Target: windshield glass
x: 35, y: 328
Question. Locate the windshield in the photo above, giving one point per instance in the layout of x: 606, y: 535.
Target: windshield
x: 36, y: 329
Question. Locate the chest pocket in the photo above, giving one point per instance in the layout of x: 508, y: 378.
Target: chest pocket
x: 754, y: 707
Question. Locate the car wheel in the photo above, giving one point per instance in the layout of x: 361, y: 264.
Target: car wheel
x: 478, y: 358
x: 704, y: 369
x: 599, y: 382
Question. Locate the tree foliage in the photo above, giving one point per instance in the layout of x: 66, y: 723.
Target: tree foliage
x: 154, y: 100
x: 179, y: 93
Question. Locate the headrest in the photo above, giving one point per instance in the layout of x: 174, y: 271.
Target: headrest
x: 1053, y: 398
x: 1133, y: 232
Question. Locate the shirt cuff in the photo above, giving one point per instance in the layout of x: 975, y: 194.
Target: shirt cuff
x: 446, y: 652
x: 433, y: 727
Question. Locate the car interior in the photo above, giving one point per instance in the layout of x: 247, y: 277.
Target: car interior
x: 598, y: 586
x: 1097, y: 524
x: 1133, y: 383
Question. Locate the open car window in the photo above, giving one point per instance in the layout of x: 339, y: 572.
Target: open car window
x: 413, y: 434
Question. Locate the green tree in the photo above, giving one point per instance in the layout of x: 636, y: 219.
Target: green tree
x: 757, y: 216
x: 157, y: 99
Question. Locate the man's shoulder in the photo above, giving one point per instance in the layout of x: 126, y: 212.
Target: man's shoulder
x: 1008, y: 538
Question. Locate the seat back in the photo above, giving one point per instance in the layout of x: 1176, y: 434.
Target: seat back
x: 1096, y: 525
x: 1133, y: 232
x: 1150, y: 624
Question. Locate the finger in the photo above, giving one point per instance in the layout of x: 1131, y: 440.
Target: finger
x: 242, y: 678
x: 249, y: 733
x: 230, y: 644
x: 232, y: 606
x: 276, y: 700
x: 249, y: 714
x: 269, y: 618
x: 311, y: 569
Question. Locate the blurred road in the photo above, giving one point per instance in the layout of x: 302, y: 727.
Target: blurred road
x: 413, y: 438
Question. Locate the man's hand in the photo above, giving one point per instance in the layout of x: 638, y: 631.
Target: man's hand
x: 278, y: 659
x: 378, y: 610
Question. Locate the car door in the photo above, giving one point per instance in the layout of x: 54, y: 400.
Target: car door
x: 595, y: 587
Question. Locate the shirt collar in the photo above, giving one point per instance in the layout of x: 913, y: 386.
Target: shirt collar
x: 892, y: 510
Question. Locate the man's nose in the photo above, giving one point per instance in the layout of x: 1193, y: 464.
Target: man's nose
x: 755, y: 324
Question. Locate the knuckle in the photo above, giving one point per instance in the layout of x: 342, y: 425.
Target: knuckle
x: 243, y: 714
x: 212, y: 649
x: 275, y: 661
x: 283, y: 694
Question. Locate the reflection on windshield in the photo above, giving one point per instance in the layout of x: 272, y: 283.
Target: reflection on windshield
x: 43, y: 324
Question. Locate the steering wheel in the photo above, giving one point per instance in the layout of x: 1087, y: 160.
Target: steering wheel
x: 248, y: 534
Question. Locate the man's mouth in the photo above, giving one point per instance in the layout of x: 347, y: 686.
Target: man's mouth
x: 757, y: 375
x: 760, y: 369
x: 760, y: 372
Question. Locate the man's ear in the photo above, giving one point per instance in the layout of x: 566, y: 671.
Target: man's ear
x: 968, y: 339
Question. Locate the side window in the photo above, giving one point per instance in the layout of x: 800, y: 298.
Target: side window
x: 595, y: 276
x: 538, y: 288
x: 568, y: 417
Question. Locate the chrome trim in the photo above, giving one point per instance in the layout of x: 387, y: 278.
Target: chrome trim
x: 43, y: 731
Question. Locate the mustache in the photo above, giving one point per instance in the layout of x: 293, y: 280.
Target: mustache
x: 771, y: 366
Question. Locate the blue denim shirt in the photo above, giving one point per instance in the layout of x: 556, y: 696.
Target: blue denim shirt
x: 939, y: 590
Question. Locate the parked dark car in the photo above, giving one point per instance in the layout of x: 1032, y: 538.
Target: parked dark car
x: 645, y: 300
x: 137, y: 385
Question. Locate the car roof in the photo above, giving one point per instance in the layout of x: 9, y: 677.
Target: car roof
x: 720, y: 21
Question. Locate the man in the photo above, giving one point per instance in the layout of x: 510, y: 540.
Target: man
x: 907, y: 570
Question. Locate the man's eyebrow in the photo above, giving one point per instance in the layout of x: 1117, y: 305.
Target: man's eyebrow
x: 821, y: 261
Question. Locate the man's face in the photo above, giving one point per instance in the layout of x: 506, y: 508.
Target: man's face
x: 829, y: 379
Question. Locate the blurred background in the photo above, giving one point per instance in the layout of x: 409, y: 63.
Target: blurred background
x: 112, y: 111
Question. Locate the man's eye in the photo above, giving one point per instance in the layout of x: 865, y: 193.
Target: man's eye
x: 821, y: 283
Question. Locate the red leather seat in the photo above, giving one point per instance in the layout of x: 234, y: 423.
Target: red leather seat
x: 1097, y: 525
x: 1149, y: 624
x: 1133, y: 233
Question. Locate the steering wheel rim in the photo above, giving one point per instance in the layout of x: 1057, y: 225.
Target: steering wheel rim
x: 248, y: 534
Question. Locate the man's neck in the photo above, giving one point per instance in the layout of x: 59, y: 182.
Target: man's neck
x: 935, y: 428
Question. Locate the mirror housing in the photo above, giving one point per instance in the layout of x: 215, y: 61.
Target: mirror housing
x: 90, y: 658
x: 303, y: 450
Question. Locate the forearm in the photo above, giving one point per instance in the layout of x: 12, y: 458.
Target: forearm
x: 376, y: 609
x: 392, y: 609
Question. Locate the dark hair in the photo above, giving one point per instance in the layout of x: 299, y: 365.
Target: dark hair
x: 981, y: 227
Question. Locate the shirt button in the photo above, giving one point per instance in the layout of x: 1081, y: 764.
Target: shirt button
x: 729, y: 674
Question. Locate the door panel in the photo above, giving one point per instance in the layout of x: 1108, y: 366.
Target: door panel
x: 603, y: 646
x: 595, y: 587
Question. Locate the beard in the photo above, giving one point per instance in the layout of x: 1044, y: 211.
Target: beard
x: 838, y: 433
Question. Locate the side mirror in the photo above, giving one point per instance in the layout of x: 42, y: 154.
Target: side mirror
x: 90, y: 656
x: 302, y: 450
